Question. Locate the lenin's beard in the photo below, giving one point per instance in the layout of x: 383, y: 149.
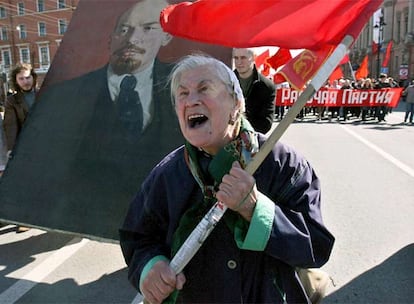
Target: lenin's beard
x: 123, y: 61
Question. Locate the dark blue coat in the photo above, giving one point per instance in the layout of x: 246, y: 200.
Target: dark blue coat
x: 220, y: 272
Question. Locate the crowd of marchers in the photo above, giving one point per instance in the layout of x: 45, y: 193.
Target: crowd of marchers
x: 376, y: 114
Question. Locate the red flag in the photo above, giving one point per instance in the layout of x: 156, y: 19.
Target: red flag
x: 259, y: 23
x: 336, y: 74
x: 362, y: 71
x: 260, y: 59
x: 387, y: 55
x: 266, y: 70
x: 304, y: 66
x: 281, y: 57
x: 278, y: 78
x: 375, y: 47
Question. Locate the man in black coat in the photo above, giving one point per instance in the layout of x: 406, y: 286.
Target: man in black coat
x: 259, y: 92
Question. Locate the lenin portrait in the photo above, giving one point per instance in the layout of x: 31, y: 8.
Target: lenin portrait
x: 104, y: 118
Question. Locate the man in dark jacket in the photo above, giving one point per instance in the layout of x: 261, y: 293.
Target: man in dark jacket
x: 17, y: 105
x: 259, y: 91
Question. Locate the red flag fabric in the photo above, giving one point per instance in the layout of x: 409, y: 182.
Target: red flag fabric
x: 387, y: 55
x: 266, y: 70
x: 259, y: 23
x: 374, y: 47
x: 281, y: 57
x: 362, y: 71
x: 260, y: 59
x: 336, y: 74
x: 278, y: 78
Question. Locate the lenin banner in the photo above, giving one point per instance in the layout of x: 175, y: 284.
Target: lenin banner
x: 343, y: 98
x: 77, y: 165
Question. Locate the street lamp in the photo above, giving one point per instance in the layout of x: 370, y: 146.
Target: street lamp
x: 380, y: 26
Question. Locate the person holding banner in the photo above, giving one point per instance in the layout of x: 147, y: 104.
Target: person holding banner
x: 273, y: 224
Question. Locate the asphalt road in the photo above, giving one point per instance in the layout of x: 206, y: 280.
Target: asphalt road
x: 367, y: 175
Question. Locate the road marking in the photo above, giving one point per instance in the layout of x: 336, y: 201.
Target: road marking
x: 381, y: 152
x: 21, y: 287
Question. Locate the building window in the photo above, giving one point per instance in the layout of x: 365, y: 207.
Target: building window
x: 3, y: 33
x: 61, y: 4
x: 3, y: 12
x: 21, y: 28
x: 40, y: 5
x: 44, y: 57
x: 42, y: 29
x: 20, y: 8
x: 25, y: 54
x: 6, y: 58
x: 62, y: 26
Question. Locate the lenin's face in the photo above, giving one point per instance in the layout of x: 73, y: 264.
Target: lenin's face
x: 137, y: 37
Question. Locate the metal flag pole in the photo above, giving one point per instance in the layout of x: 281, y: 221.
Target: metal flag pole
x: 213, y: 216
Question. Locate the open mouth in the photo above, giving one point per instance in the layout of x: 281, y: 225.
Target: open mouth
x: 196, y: 120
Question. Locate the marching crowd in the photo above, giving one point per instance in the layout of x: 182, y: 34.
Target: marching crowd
x: 363, y: 114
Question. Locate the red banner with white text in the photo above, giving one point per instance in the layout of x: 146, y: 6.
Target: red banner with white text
x: 342, y: 98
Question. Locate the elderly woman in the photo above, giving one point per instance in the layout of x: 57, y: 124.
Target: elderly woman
x: 273, y: 223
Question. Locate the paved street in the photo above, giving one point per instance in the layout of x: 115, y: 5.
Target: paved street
x: 367, y: 175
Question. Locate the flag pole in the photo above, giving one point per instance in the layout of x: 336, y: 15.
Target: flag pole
x: 352, y: 71
x: 213, y: 216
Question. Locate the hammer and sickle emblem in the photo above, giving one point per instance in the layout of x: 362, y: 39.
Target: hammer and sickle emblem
x: 304, y: 65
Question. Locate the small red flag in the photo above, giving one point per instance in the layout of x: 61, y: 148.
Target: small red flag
x: 362, y: 71
x: 375, y: 47
x: 278, y: 78
x: 336, y: 74
x: 304, y: 66
x: 266, y: 70
x: 281, y: 57
x: 387, y: 55
x: 261, y: 59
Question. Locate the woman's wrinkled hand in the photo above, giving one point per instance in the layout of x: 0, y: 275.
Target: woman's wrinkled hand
x: 160, y: 282
x: 238, y: 191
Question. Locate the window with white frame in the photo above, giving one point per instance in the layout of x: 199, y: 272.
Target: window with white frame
x: 62, y: 26
x: 44, y: 56
x: 20, y: 8
x: 24, y: 54
x: 4, y: 33
x: 22, y: 31
x: 3, y: 12
x: 40, y: 5
x: 61, y: 4
x: 6, y: 58
x: 42, y: 29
